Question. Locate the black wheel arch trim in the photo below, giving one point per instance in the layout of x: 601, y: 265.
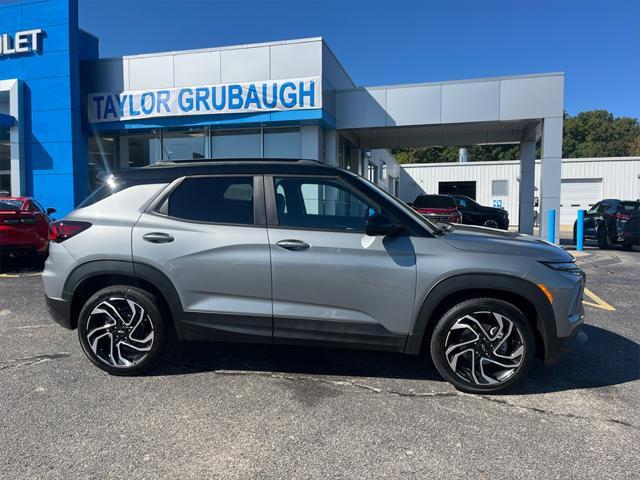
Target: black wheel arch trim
x: 135, y: 270
x: 458, y: 284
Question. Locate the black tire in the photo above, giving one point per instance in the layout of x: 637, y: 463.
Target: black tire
x: 491, y: 223
x: 575, y: 236
x: 522, y: 334
x: 627, y: 245
x: 604, y: 242
x: 155, y: 322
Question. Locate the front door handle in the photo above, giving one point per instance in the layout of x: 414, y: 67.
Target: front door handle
x: 294, y: 245
x: 158, y: 237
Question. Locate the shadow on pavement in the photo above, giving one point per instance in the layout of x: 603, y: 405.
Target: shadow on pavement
x: 592, y: 245
x: 27, y: 264
x: 607, y: 359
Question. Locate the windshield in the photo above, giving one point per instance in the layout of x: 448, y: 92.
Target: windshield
x: 400, y: 204
x: 434, y: 201
x: 10, y: 205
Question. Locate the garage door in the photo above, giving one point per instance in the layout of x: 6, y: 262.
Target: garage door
x: 578, y: 194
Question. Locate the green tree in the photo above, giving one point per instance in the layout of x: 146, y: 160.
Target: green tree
x: 596, y: 133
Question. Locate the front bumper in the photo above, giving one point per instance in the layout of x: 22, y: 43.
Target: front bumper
x: 558, y: 347
x: 60, y: 311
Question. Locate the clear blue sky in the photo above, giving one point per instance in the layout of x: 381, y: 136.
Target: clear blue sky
x: 595, y: 42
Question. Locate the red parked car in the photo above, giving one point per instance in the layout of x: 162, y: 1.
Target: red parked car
x: 437, y: 208
x: 24, y: 227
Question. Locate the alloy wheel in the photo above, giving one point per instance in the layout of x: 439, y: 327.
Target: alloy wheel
x: 119, y: 332
x: 484, y: 348
x: 491, y: 223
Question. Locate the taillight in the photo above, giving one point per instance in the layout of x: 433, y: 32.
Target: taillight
x: 63, y: 230
x: 622, y: 216
x: 18, y: 220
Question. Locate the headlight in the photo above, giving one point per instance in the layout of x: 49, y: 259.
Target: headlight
x: 569, y: 267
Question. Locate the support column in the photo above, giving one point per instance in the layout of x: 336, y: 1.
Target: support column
x: 331, y: 147
x: 17, y: 148
x: 311, y: 142
x: 527, y: 186
x: 551, y: 174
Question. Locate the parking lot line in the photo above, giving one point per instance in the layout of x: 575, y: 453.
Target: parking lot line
x: 597, y: 301
x: 18, y: 275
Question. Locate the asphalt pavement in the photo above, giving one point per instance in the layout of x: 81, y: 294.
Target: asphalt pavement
x: 243, y: 411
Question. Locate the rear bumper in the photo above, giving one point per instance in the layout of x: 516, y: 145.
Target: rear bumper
x: 9, y: 250
x: 560, y: 346
x: 630, y: 237
x: 60, y: 311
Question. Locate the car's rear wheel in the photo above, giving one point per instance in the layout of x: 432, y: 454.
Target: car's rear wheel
x: 627, y: 244
x: 491, y: 223
x: 483, y: 345
x: 123, y: 330
x: 604, y: 242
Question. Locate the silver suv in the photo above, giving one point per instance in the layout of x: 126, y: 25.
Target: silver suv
x: 298, y: 252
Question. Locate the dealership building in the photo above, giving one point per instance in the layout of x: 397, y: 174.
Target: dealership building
x: 66, y: 113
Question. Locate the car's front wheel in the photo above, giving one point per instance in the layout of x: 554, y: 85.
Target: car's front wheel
x: 483, y: 345
x: 491, y: 223
x: 123, y: 330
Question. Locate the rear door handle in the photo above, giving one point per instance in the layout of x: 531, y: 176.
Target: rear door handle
x: 294, y: 245
x: 158, y: 237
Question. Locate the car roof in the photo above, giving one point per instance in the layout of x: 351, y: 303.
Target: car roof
x: 168, y: 171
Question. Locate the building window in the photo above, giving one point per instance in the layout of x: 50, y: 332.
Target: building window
x: 139, y: 150
x: 102, y: 157
x: 500, y: 188
x: 184, y: 145
x: 236, y: 144
x: 5, y: 162
x: 282, y: 143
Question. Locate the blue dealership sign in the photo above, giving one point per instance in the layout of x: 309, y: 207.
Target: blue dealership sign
x: 271, y: 95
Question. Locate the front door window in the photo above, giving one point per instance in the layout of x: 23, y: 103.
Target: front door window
x: 320, y: 204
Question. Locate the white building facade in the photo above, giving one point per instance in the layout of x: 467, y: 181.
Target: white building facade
x: 584, y: 181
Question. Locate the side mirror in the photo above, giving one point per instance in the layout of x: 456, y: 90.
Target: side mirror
x: 380, y: 224
x: 51, y: 211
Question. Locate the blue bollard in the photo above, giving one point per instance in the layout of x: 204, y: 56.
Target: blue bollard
x: 551, y: 235
x: 580, y: 231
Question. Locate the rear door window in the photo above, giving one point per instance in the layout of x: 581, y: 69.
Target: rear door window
x: 226, y: 200
x: 434, y: 201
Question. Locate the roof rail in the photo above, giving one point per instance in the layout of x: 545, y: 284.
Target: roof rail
x: 227, y: 160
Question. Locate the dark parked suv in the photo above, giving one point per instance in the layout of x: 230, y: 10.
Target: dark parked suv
x: 299, y: 252
x: 612, y: 222
x: 475, y: 214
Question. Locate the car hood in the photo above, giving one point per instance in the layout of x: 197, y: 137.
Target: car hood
x: 489, y: 240
x: 497, y: 211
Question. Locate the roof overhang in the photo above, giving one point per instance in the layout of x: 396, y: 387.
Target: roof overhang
x: 492, y: 110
